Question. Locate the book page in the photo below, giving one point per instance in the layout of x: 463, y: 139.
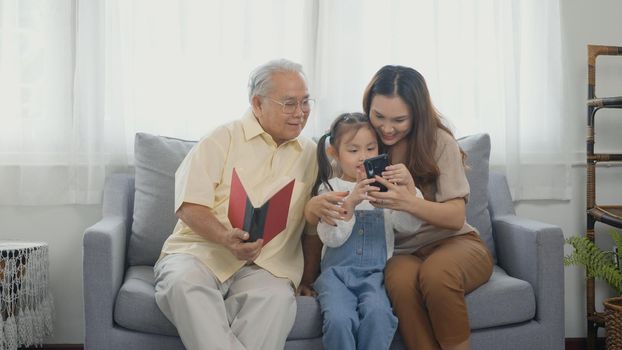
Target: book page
x: 260, y: 192
x: 267, y: 219
x: 272, y: 189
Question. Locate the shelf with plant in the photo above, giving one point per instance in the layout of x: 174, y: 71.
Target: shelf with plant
x: 598, y: 263
x: 603, y: 265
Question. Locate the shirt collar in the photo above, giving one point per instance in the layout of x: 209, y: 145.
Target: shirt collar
x: 252, y: 129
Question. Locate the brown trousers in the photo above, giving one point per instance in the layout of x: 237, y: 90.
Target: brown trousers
x: 427, y: 290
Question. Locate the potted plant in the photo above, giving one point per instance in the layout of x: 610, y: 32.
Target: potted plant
x: 604, y: 265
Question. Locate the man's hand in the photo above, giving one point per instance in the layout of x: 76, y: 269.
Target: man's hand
x: 202, y: 221
x: 235, y: 241
x: 327, y: 207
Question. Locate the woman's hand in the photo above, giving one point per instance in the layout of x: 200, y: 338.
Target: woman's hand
x: 397, y: 197
x: 398, y: 174
x: 450, y: 214
x: 327, y: 207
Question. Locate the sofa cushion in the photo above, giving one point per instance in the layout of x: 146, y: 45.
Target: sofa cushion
x: 308, y: 322
x: 156, y: 160
x: 136, y: 309
x: 501, y: 301
x: 477, y: 148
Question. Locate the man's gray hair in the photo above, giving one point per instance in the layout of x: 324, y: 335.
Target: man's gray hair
x: 260, y: 80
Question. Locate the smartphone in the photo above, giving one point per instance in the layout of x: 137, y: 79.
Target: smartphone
x: 375, y: 166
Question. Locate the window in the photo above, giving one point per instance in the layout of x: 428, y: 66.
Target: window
x: 78, y: 79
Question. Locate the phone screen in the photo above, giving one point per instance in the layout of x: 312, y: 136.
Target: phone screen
x: 375, y: 166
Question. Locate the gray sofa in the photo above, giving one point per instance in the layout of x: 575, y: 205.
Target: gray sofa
x: 521, y: 307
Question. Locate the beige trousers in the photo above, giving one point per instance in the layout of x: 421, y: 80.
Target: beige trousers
x: 251, y: 310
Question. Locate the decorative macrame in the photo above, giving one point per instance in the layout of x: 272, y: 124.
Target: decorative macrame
x: 26, y: 306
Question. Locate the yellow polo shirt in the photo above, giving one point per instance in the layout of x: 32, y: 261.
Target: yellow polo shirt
x: 204, y: 177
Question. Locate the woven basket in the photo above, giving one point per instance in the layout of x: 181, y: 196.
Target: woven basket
x: 613, y: 322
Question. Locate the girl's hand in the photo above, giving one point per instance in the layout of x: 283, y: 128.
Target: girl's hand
x: 359, y: 193
x: 327, y: 207
x: 398, y: 174
x: 397, y: 197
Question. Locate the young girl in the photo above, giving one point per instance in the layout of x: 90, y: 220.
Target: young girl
x: 355, y: 308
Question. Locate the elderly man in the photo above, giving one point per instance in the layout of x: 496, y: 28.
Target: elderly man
x: 219, y: 289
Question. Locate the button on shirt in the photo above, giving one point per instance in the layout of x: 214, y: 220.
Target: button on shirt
x: 204, y: 177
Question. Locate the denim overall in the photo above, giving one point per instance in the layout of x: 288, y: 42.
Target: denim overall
x: 355, y: 307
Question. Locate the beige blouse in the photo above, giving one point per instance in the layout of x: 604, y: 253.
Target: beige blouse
x: 450, y: 184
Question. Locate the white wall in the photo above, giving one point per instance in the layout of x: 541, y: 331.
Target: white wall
x: 61, y: 227
x: 583, y: 22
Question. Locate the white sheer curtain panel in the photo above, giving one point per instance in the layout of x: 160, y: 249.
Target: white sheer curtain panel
x: 79, y: 78
x: 175, y: 68
x: 491, y: 66
x: 37, y: 154
x: 181, y: 67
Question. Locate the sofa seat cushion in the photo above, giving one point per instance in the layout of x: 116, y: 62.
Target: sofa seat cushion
x: 136, y: 309
x: 308, y: 322
x: 501, y: 301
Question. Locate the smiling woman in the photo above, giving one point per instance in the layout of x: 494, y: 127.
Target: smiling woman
x: 391, y: 117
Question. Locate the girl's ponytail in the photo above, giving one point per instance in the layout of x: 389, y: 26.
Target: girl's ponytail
x: 325, y: 169
x: 345, y: 122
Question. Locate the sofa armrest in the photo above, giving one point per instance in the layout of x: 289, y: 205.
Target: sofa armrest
x: 533, y: 251
x: 104, y: 247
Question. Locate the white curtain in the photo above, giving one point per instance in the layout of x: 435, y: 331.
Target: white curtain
x: 491, y: 66
x: 36, y: 72
x: 79, y: 78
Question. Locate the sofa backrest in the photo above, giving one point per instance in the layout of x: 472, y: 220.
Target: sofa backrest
x: 477, y: 148
x: 157, y: 159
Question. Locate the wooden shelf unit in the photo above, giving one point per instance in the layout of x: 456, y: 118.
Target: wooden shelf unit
x: 607, y: 214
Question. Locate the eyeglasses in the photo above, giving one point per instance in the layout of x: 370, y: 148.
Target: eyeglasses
x: 289, y: 107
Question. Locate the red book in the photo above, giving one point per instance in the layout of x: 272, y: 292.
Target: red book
x: 265, y: 221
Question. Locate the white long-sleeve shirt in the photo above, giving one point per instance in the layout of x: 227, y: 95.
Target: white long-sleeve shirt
x: 394, y: 220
